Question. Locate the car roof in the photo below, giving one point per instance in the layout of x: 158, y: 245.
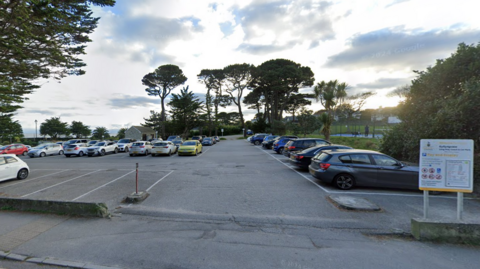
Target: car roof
x: 341, y: 151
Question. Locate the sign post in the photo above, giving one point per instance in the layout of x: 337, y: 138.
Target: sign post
x: 446, y: 165
x: 222, y: 131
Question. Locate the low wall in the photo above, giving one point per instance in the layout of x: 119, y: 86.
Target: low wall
x: 55, y: 207
x: 448, y: 232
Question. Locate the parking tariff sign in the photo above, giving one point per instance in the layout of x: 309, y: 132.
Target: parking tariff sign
x: 446, y: 165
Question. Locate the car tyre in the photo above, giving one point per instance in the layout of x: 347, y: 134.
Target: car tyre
x: 43, y: 154
x: 280, y: 151
x: 115, y: 151
x: 25, y: 153
x: 257, y: 143
x: 195, y: 153
x: 60, y: 152
x: 169, y: 153
x: 102, y: 153
x: 131, y: 155
x: 80, y: 154
x: 68, y: 156
x: 22, y: 174
x: 126, y: 149
x: 344, y: 181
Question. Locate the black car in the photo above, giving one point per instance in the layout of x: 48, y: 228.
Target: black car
x: 271, y: 143
x: 348, y: 168
x: 199, y: 138
x: 268, y: 141
x: 303, y: 158
x: 303, y: 143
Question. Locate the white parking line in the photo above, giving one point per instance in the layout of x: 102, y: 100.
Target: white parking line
x: 358, y: 193
x: 60, y: 183
x: 159, y: 181
x: 23, y: 181
x: 83, y: 195
x: 203, y: 152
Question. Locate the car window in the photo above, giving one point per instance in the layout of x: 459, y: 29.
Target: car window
x: 321, y: 142
x: 384, y: 160
x: 345, y: 159
x: 10, y: 159
x: 2, y: 160
x: 360, y: 159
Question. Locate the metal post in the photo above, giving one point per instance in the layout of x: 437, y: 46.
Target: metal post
x: 35, y: 130
x: 425, y: 204
x: 136, y: 181
x: 459, y: 205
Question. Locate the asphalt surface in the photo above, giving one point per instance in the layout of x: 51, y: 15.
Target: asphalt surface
x: 233, y: 206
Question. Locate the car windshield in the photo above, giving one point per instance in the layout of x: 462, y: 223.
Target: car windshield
x: 189, y: 143
x: 207, y: 139
x: 41, y: 146
x: 100, y: 144
x: 4, y: 147
x: 138, y: 144
x: 124, y: 141
x: 93, y: 142
x: 160, y: 144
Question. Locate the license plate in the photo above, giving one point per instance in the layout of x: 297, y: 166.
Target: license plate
x: 69, y: 149
x: 135, y: 152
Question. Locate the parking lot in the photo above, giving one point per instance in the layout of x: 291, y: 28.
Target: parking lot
x: 232, y: 177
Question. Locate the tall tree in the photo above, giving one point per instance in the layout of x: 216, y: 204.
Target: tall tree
x: 331, y: 95
x: 79, y: 129
x: 54, y: 127
x: 185, y: 109
x: 9, y: 129
x: 277, y: 80
x: 296, y: 102
x: 41, y: 39
x: 100, y: 133
x: 213, y: 80
x: 238, y: 78
x: 161, y: 82
x: 121, y: 133
x: 307, y: 122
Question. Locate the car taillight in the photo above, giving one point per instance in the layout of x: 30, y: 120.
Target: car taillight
x: 77, y: 148
x: 291, y: 147
x: 153, y: 147
x: 324, y: 166
x: 276, y: 145
x: 299, y: 157
x: 141, y: 147
x: 166, y: 147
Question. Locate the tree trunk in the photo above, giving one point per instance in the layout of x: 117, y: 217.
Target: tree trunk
x: 162, y: 116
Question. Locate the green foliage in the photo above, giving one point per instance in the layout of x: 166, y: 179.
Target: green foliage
x: 230, y: 129
x: 79, y: 129
x: 54, y: 127
x: 121, y: 133
x: 100, y: 133
x: 41, y: 39
x: 185, y: 110
x: 9, y: 129
x: 307, y: 122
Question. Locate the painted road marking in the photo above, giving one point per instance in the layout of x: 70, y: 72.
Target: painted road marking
x: 83, y: 195
x: 159, y: 181
x: 23, y: 181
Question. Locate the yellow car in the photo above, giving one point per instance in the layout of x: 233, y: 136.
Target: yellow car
x: 190, y: 147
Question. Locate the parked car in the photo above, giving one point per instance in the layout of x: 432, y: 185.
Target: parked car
x: 12, y: 167
x: 75, y: 141
x: 190, y: 147
x: 346, y: 169
x: 279, y: 144
x: 163, y: 148
x: 177, y: 142
x: 173, y: 137
x: 268, y: 141
x: 141, y: 147
x: 303, y: 143
x: 217, y: 139
x: 92, y: 143
x: 17, y: 149
x: 102, y: 148
x: 207, y: 141
x: 124, y: 144
x: 257, y: 139
x: 46, y: 149
x: 199, y: 138
x: 78, y: 149
x: 303, y: 158
x: 60, y: 143
x: 249, y: 132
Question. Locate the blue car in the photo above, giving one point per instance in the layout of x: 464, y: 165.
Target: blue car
x: 278, y: 146
x: 257, y: 139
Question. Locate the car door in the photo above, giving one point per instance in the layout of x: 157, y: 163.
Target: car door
x: 11, y: 167
x: 391, y: 173
x: 364, y: 171
x: 4, y: 171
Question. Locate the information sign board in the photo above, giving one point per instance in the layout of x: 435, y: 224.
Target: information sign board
x: 446, y: 165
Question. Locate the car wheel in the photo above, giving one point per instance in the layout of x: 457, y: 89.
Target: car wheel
x: 280, y: 151
x: 25, y: 153
x: 126, y: 149
x: 80, y: 154
x: 115, y: 151
x: 344, y: 181
x: 102, y: 153
x: 131, y: 155
x: 60, y: 152
x: 22, y: 174
x: 195, y: 153
x: 68, y: 156
x: 43, y: 154
x: 169, y: 153
x: 257, y: 143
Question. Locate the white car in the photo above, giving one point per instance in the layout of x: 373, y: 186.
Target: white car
x: 45, y: 149
x: 141, y: 147
x: 102, y: 148
x: 78, y: 149
x: 12, y: 167
x: 125, y: 144
x: 164, y: 148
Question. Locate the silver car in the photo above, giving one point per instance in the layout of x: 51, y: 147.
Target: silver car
x: 45, y: 149
x: 141, y: 147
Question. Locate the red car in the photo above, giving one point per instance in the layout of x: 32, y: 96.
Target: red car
x: 17, y: 149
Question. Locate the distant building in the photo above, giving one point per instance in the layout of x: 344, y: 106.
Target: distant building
x: 140, y: 133
x: 393, y: 119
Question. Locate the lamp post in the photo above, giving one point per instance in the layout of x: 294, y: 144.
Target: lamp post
x: 35, y: 130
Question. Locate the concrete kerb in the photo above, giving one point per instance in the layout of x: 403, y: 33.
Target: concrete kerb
x: 52, y: 261
x: 56, y: 207
x: 446, y: 232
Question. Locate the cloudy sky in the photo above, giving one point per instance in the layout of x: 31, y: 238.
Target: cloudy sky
x: 372, y: 45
